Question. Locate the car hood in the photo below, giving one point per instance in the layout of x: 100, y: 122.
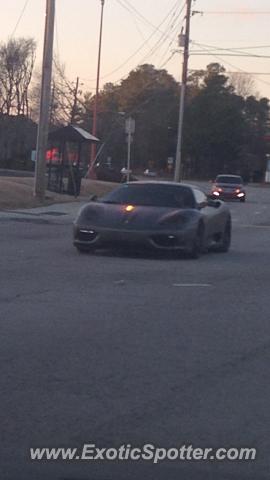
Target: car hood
x: 230, y: 185
x: 141, y: 217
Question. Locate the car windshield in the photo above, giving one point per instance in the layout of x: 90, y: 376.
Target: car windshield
x: 228, y: 179
x: 173, y: 196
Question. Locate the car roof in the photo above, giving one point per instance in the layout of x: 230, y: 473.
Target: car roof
x: 228, y: 175
x: 162, y: 182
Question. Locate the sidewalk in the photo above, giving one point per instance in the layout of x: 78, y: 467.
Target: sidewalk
x: 56, y: 213
x: 16, y: 193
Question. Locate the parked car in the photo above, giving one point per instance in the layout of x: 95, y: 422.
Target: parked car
x: 149, y: 173
x: 229, y: 187
x: 158, y: 215
x: 109, y: 173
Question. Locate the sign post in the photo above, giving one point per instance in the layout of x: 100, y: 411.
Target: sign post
x: 267, y: 173
x: 130, y: 130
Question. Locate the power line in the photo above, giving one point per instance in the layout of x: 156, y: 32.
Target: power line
x: 219, y: 57
x: 140, y: 47
x: 234, y: 48
x: 164, y: 34
x: 169, y: 45
x: 160, y: 65
x: 235, y: 12
x: 135, y: 21
x: 125, y: 4
x: 210, y: 52
x: 250, y: 73
x: 233, y: 51
x: 20, y: 17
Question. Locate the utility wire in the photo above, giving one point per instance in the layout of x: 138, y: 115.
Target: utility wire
x: 174, y: 40
x: 161, y: 38
x: 127, y: 5
x: 140, y: 47
x: 219, y: 57
x: 235, y: 12
x: 135, y: 21
x: 212, y: 52
x: 20, y: 17
x: 233, y: 51
x: 233, y: 48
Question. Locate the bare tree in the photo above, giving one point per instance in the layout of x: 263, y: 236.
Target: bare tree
x: 66, y: 102
x: 243, y: 83
x: 67, y: 95
x: 17, y: 57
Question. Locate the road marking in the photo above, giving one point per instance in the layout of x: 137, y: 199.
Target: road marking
x: 119, y: 282
x: 254, y: 226
x: 192, y: 285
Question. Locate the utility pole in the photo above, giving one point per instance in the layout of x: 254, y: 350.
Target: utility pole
x: 178, y: 158
x: 94, y: 127
x: 42, y: 136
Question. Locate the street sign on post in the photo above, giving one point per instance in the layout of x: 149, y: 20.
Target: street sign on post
x: 130, y: 125
x: 130, y: 130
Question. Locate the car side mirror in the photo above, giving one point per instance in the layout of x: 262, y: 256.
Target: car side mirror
x: 93, y: 198
x: 213, y: 203
x: 202, y: 205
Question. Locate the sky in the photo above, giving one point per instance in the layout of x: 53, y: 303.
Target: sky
x: 145, y: 31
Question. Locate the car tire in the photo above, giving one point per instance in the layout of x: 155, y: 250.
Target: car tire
x: 243, y: 199
x: 225, y: 243
x: 197, y: 247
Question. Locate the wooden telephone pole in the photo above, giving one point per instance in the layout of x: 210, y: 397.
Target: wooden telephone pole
x: 178, y: 157
x: 94, y: 128
x: 43, y: 124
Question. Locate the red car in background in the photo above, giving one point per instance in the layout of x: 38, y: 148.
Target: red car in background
x: 229, y: 187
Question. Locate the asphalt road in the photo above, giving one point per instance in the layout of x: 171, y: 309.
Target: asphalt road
x: 118, y: 349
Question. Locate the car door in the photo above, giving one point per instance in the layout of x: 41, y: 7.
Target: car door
x: 211, y: 215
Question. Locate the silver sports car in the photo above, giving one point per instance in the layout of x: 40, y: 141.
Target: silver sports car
x: 159, y: 215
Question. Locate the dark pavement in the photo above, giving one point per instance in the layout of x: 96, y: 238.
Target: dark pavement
x: 113, y: 349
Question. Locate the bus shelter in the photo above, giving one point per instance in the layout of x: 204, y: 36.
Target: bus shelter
x: 68, y: 158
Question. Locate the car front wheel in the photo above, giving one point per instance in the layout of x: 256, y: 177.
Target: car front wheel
x: 197, y: 247
x: 226, y: 238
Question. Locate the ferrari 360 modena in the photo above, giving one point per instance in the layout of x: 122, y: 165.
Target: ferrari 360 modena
x: 158, y: 215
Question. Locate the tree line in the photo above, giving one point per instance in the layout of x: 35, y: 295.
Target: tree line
x: 225, y: 123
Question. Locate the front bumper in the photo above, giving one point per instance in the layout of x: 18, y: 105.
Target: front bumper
x: 94, y: 237
x: 229, y: 195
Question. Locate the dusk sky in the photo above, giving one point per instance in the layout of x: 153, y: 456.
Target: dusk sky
x: 145, y: 31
